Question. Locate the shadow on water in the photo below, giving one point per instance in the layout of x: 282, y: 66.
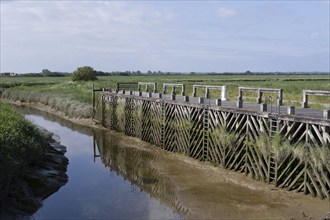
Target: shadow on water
x: 135, y: 165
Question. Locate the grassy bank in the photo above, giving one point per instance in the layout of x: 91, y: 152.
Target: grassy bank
x: 21, y: 144
x: 74, y: 98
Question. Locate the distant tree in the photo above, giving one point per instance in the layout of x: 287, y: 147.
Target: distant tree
x: 46, y: 72
x: 192, y: 73
x: 85, y: 73
x: 100, y: 73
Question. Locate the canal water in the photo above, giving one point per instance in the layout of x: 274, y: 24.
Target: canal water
x: 106, y: 180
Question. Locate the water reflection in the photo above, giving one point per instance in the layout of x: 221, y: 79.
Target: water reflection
x: 27, y: 110
x: 110, y: 181
x: 135, y: 165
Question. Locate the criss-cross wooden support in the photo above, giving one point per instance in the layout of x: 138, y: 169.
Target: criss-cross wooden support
x: 222, y: 136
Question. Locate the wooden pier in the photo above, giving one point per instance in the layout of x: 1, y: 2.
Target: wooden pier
x: 242, y: 138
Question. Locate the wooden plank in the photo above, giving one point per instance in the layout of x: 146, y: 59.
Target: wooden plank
x: 236, y: 155
x: 324, y: 188
x: 290, y: 175
x: 296, y: 179
x: 255, y: 169
x: 310, y: 189
x: 316, y: 187
x: 261, y: 162
x: 318, y: 134
x: 326, y: 179
x: 252, y: 130
x: 311, y: 136
x: 258, y: 163
x: 288, y: 132
x: 297, y: 131
x: 288, y: 166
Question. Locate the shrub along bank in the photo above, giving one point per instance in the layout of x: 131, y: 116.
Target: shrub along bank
x: 21, y: 145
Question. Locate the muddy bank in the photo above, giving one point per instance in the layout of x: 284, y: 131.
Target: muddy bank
x: 39, y: 182
x: 209, y: 192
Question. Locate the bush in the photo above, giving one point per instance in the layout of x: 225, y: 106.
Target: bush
x: 85, y: 73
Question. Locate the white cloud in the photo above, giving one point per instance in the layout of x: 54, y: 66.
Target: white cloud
x: 226, y: 12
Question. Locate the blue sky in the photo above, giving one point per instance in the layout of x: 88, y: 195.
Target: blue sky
x: 200, y: 36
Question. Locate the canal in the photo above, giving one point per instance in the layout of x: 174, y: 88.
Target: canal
x: 95, y: 190
x: 112, y: 176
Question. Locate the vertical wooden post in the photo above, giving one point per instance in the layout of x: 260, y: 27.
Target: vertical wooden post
x: 155, y: 88
x: 103, y: 111
x: 268, y: 169
x: 94, y: 150
x: 307, y: 134
x: 183, y: 92
x: 276, y: 172
x: 280, y: 97
x: 223, y: 93
x: 194, y: 92
x: 305, y: 178
x: 93, y: 100
x: 246, y: 145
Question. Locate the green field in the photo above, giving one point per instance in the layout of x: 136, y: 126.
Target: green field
x: 65, y: 91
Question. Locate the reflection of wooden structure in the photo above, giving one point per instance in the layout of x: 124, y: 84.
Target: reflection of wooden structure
x: 194, y: 129
x: 135, y: 166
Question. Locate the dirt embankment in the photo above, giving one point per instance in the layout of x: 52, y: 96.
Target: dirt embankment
x: 39, y: 182
x: 210, y: 192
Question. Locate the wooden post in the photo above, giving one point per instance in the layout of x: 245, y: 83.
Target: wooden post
x: 218, y: 102
x: 305, y: 177
x: 240, y: 95
x: 183, y: 92
x: 207, y: 93
x: 93, y: 100
x: 259, y: 96
x: 326, y: 114
x: 223, y: 93
x: 291, y: 110
x: 305, y: 100
x: 194, y: 92
x: 280, y: 97
x: 155, y: 87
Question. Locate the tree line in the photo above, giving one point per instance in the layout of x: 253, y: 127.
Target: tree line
x: 48, y: 73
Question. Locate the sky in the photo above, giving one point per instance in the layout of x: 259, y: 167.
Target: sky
x: 175, y: 36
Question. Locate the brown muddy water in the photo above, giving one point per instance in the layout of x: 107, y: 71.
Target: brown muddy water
x: 112, y: 176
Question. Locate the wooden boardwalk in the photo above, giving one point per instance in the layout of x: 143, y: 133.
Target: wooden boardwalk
x: 229, y: 136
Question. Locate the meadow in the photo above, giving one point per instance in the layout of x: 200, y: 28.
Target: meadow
x: 74, y: 98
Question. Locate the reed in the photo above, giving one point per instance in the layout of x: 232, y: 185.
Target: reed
x: 65, y: 104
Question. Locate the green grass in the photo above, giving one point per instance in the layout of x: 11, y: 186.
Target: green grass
x: 64, y: 87
x: 21, y: 144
